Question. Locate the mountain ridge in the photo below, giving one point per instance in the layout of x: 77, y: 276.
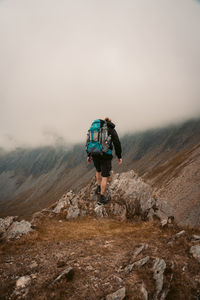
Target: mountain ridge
x: 33, y: 179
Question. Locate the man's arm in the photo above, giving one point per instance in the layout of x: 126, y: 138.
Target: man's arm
x: 117, y: 145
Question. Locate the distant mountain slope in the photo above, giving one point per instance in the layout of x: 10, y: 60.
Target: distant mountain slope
x: 178, y: 181
x: 32, y: 179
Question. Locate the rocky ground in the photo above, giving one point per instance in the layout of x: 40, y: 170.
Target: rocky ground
x: 127, y: 249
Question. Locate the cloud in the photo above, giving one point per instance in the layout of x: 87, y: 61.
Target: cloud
x: 66, y: 63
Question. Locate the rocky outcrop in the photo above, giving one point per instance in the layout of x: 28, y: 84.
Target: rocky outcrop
x: 11, y: 229
x: 129, y: 197
x: 5, y: 223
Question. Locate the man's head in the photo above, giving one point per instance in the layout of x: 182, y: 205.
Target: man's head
x: 108, y: 119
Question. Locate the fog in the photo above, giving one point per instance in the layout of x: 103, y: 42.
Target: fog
x: 65, y: 63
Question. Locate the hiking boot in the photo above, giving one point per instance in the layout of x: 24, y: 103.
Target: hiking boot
x: 102, y: 200
x: 98, y: 190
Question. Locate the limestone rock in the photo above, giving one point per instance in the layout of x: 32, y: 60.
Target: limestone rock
x: 17, y: 229
x: 64, y: 202
x: 129, y: 189
x: 179, y: 234
x: 164, y: 207
x: 137, y: 264
x: 100, y: 211
x: 159, y: 268
x: 73, y: 212
x: 129, y: 197
x: 5, y: 223
x: 68, y: 274
x: 33, y: 265
x: 118, y: 295
x: 23, y: 282
x: 195, y: 251
x: 162, y: 216
x: 196, y: 237
x: 144, y: 291
x: 139, y: 249
x: 118, y: 210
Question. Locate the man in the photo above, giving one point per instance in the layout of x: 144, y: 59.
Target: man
x: 103, y: 163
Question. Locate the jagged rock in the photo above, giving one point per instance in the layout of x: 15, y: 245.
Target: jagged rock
x: 179, y: 234
x: 162, y: 216
x: 164, y: 222
x: 64, y: 202
x: 100, y: 211
x: 118, y: 210
x: 150, y: 214
x: 195, y: 251
x: 118, y: 279
x: 17, y: 229
x: 143, y: 291
x: 139, y: 249
x: 5, y: 223
x: 158, y: 268
x: 164, y: 207
x: 137, y: 264
x: 83, y: 213
x: 68, y: 274
x: 23, y: 282
x: 118, y: 295
x: 129, y: 196
x: 73, y: 212
x: 130, y: 189
x: 33, y: 265
x: 196, y: 237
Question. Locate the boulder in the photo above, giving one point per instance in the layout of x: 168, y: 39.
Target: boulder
x: 17, y: 229
x: 118, y: 295
x: 5, y: 223
x: 158, y: 268
x: 100, y: 211
x: 73, y: 212
x: 139, y: 249
x: 143, y: 291
x: 137, y: 264
x: 179, y: 234
x: 196, y: 237
x: 129, y: 189
x: 23, y: 282
x: 64, y: 202
x: 195, y: 251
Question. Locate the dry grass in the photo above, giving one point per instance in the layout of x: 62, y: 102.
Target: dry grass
x: 97, y: 250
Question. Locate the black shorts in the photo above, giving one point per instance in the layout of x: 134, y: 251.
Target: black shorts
x: 103, y: 165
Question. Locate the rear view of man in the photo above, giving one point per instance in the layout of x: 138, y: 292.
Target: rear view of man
x: 101, y: 138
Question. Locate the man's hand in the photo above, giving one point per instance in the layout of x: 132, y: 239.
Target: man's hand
x: 89, y: 160
x: 119, y: 161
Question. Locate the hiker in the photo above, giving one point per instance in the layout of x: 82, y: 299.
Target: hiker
x: 101, y: 138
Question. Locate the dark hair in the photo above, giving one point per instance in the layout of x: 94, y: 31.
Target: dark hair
x: 108, y: 119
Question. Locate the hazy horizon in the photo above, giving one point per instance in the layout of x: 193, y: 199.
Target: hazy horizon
x: 64, y: 64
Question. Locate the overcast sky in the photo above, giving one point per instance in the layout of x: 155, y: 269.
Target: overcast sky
x: 65, y: 63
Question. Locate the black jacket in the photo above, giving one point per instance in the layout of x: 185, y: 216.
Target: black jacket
x: 114, y: 141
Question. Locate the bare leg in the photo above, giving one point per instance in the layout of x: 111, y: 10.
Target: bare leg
x: 98, y: 177
x: 103, y: 185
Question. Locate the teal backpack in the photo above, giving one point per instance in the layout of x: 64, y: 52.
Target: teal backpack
x: 98, y: 139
